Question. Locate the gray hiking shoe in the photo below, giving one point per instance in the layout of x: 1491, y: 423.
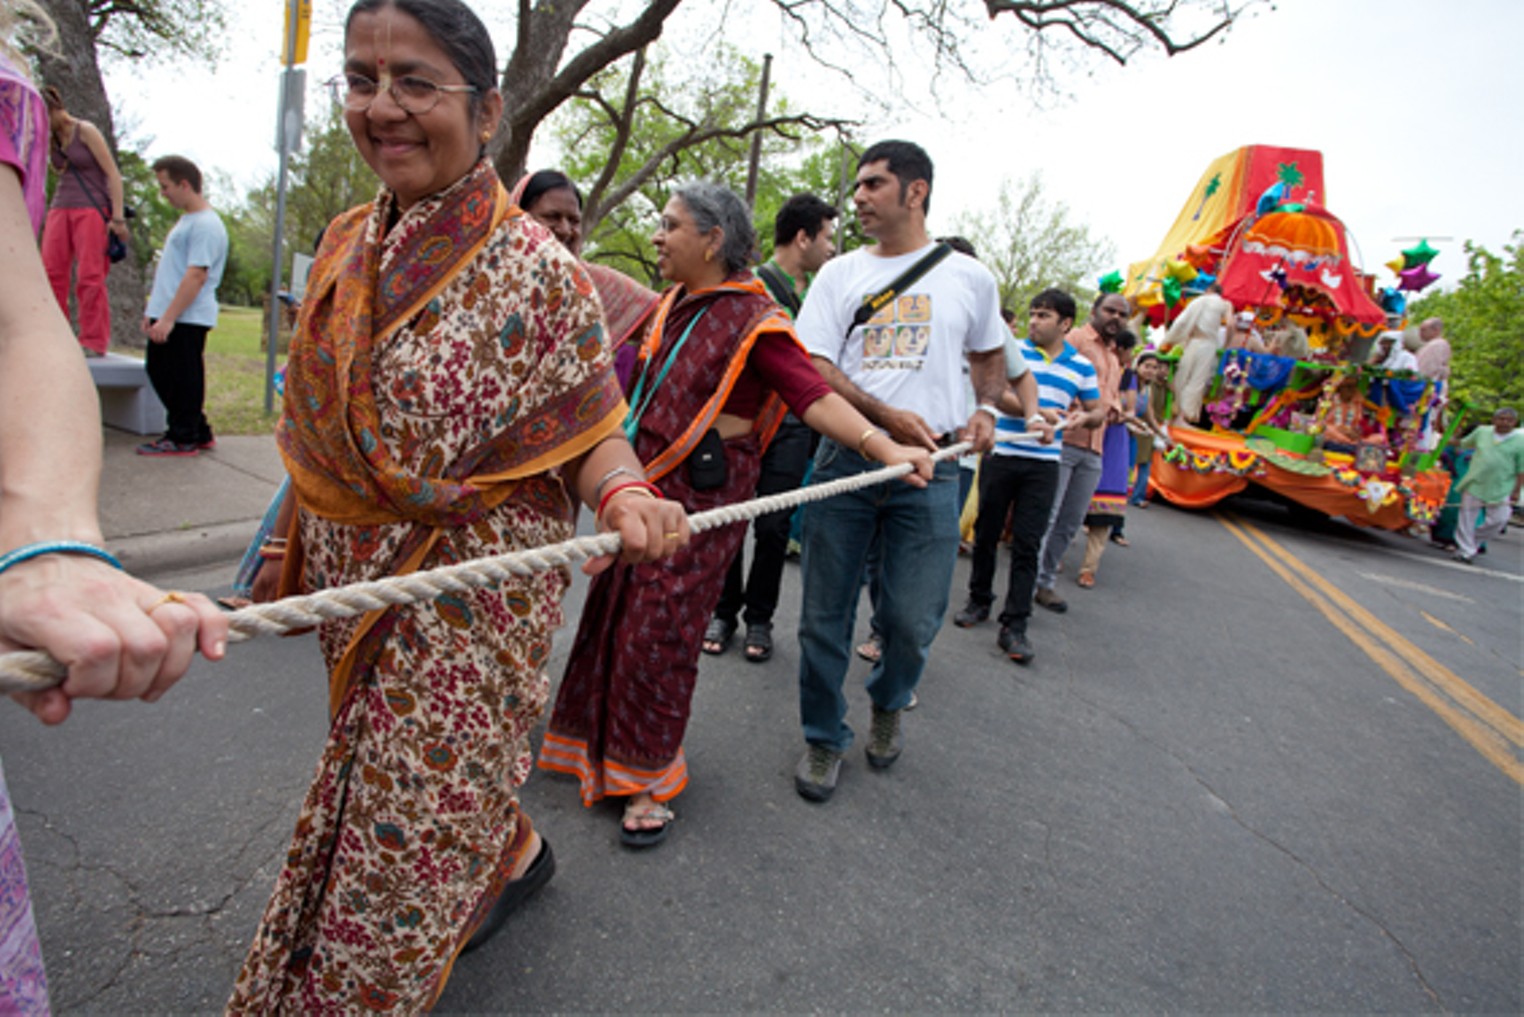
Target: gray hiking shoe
x: 884, y: 742
x: 815, y: 776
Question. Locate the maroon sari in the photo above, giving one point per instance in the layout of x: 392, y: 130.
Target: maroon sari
x: 623, y: 705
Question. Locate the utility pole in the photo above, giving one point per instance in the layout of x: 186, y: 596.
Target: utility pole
x: 288, y: 138
x: 756, y: 137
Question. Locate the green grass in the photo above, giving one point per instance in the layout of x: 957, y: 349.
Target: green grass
x: 235, y: 373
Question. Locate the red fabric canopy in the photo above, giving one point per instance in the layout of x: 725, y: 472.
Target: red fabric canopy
x: 1284, y: 250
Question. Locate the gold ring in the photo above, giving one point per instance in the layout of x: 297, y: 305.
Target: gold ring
x: 171, y: 597
x: 672, y: 536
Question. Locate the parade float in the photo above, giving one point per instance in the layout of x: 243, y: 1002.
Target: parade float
x: 1257, y: 230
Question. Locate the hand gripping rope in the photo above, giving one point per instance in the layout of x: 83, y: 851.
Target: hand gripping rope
x: 34, y: 671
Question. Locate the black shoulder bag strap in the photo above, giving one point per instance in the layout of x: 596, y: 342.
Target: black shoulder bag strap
x: 872, y: 305
x: 90, y: 193
x: 102, y: 206
x: 779, y: 288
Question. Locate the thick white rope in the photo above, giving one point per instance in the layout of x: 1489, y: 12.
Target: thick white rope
x: 33, y: 671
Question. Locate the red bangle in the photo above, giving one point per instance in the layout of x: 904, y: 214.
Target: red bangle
x: 649, y: 488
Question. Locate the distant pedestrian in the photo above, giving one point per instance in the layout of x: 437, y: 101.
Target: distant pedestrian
x: 1108, y: 505
x: 1434, y: 355
x: 87, y: 209
x: 182, y: 309
x: 1492, y: 482
x: 1391, y: 355
x: 1152, y: 395
x: 1200, y: 333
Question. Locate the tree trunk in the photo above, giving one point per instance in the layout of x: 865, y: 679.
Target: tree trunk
x: 75, y: 72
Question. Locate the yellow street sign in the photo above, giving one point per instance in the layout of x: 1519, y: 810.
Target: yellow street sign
x: 294, y: 50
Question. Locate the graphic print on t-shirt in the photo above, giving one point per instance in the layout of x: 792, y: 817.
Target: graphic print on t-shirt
x: 897, y: 337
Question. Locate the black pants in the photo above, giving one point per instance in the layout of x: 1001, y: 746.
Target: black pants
x: 178, y: 373
x: 1025, y: 488
x: 783, y: 467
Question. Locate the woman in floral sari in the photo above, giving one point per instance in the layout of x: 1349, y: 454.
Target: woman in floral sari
x: 448, y: 395
x: 707, y: 392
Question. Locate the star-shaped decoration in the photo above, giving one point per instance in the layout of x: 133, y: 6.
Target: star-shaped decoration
x: 1289, y: 174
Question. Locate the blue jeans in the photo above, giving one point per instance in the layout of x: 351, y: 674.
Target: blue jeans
x: 1140, y: 486
x: 918, y: 534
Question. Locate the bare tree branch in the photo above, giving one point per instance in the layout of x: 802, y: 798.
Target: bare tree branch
x: 695, y: 136
x: 533, y: 87
x: 623, y: 122
x: 1091, y: 24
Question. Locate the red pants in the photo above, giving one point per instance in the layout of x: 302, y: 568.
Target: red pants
x: 76, y: 237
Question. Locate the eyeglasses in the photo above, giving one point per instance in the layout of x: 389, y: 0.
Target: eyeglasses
x: 415, y: 95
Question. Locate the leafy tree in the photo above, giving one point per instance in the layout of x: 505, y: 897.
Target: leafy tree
x: 1484, y: 321
x: 631, y: 136
x: 546, y: 70
x: 327, y: 177
x: 1031, y: 243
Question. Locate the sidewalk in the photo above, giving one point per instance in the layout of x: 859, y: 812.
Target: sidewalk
x: 172, y: 514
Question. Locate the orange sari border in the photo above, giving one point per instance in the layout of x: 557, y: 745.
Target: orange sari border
x: 771, y: 414
x: 561, y: 754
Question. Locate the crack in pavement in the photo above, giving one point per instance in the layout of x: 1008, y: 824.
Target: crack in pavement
x: 140, y: 915
x: 1265, y: 838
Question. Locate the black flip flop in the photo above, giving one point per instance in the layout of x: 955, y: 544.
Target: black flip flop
x: 719, y: 631
x: 759, y: 637
x: 648, y: 838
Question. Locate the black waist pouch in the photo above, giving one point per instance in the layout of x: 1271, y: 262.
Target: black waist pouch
x: 706, y: 463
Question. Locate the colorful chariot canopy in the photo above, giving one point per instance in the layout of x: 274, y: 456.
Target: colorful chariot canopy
x: 1257, y: 222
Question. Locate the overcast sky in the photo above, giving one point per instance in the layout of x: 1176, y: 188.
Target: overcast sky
x: 1414, y: 106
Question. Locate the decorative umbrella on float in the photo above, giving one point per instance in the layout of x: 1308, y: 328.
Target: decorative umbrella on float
x: 1296, y: 246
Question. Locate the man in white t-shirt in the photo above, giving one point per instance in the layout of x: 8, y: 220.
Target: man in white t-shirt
x: 903, y: 369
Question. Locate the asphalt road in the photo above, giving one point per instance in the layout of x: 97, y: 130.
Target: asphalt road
x: 1258, y: 768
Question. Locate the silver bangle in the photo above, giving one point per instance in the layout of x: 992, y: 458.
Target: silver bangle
x: 610, y: 475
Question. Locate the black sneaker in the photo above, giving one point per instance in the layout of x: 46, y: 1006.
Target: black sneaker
x: 971, y: 615
x: 165, y: 447
x: 1015, y: 644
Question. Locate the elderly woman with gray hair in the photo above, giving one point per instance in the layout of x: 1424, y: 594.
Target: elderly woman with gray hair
x: 718, y: 366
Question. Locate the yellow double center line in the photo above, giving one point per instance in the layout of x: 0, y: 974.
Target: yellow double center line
x: 1491, y: 730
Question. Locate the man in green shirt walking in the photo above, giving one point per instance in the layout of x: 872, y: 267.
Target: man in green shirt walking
x: 1492, y: 483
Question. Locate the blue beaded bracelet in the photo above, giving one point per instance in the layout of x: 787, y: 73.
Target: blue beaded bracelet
x: 29, y: 551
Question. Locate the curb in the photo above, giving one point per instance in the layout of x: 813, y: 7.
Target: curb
x: 185, y: 550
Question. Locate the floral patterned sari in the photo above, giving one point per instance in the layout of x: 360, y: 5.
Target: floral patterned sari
x: 443, y: 367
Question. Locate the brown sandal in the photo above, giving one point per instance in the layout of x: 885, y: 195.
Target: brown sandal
x: 1085, y: 579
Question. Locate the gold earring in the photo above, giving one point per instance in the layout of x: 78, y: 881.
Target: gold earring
x: 486, y: 137
x: 709, y: 255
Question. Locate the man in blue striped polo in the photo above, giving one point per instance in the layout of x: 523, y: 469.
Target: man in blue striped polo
x: 1020, y: 474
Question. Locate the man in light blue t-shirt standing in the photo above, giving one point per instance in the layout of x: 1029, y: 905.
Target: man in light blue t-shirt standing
x: 182, y: 309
